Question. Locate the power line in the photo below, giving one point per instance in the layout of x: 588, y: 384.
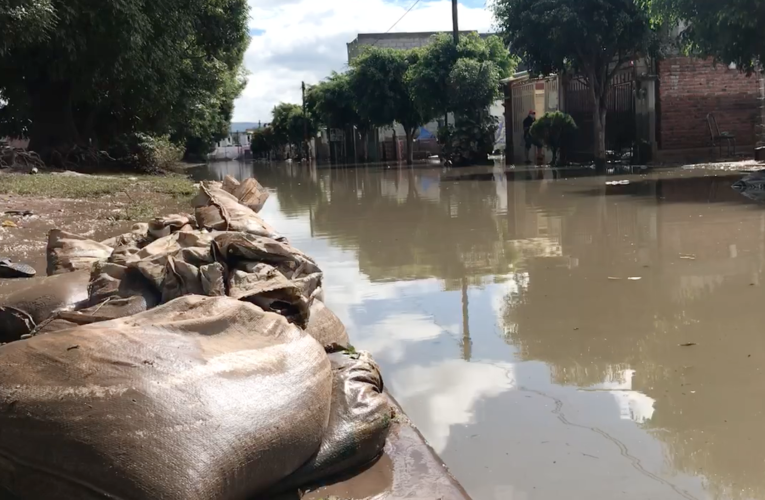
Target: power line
x: 399, y: 20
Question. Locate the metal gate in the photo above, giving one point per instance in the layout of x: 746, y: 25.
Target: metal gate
x: 523, y: 101
x: 620, y: 117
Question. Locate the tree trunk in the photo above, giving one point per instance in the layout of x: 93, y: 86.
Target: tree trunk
x: 599, y: 122
x: 52, y: 128
x: 409, y: 145
x: 365, y: 146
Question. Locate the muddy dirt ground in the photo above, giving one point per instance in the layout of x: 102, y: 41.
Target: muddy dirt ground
x: 23, y: 238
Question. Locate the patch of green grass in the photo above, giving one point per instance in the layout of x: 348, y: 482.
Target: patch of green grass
x: 136, y: 211
x: 86, y: 186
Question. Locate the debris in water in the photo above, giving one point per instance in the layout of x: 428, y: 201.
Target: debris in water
x: 617, y: 183
x: 8, y: 223
x: 634, y: 278
x: 75, y: 346
x: 688, y: 344
x: 687, y: 256
x: 612, y: 278
x: 19, y: 213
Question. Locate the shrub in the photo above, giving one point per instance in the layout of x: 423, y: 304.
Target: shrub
x: 146, y: 153
x: 470, y: 140
x: 555, y: 130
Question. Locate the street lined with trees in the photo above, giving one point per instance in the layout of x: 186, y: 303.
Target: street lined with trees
x: 411, y: 88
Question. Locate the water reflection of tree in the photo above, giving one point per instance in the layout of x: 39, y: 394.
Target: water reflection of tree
x: 403, y: 229
x: 708, y: 408
x: 296, y: 190
x: 400, y: 231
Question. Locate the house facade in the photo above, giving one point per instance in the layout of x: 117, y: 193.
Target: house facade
x: 667, y: 110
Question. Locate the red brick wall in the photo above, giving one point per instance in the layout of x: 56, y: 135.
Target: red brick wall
x: 690, y: 88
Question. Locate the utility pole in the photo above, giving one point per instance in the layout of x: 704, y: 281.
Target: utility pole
x: 456, y: 33
x: 455, y: 22
x: 305, y: 127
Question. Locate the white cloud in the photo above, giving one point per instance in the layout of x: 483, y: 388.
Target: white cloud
x: 304, y: 40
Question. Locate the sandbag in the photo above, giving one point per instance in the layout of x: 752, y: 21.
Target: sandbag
x: 22, y: 310
x: 237, y: 247
x: 249, y: 192
x: 326, y: 327
x: 230, y: 184
x: 138, y: 235
x: 359, y: 421
x: 199, y: 399
x: 215, y: 209
x: 68, y: 252
x: 266, y: 287
x: 163, y: 226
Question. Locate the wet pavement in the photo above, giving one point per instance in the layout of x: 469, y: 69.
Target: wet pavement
x: 551, y: 335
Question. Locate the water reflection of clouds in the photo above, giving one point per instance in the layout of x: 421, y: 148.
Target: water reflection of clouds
x: 633, y: 405
x: 388, y: 338
x: 441, y: 395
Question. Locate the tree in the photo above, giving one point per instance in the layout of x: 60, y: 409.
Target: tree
x: 463, y: 79
x: 335, y: 104
x: 288, y: 125
x: 24, y: 22
x: 554, y: 130
x: 102, y: 68
x: 382, y: 81
x: 593, y: 39
x: 432, y: 75
x: 730, y: 31
x: 263, y: 142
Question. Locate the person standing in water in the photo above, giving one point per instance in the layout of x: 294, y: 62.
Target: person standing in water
x: 530, y: 141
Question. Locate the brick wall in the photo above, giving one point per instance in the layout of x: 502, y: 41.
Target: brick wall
x: 691, y: 88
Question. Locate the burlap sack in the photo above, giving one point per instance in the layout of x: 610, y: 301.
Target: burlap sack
x: 215, y: 209
x: 200, y: 399
x: 163, y: 226
x: 325, y: 326
x: 249, y: 192
x: 137, y: 236
x: 358, y: 425
x: 69, y: 252
x: 23, y: 310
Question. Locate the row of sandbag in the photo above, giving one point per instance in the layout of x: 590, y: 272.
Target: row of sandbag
x: 225, y: 249
x: 199, y: 363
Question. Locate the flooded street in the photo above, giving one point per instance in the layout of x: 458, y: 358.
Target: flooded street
x: 551, y: 337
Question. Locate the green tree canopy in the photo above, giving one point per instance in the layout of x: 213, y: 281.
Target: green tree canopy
x: 263, y: 142
x: 432, y: 77
x: 24, y: 22
x: 729, y: 30
x: 96, y: 69
x: 591, y: 38
x: 382, y: 80
x: 289, y: 125
x: 334, y: 103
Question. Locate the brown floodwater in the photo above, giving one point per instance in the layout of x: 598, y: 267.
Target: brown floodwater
x: 552, y: 336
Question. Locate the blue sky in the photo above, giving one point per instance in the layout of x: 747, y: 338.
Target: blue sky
x: 305, y: 40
